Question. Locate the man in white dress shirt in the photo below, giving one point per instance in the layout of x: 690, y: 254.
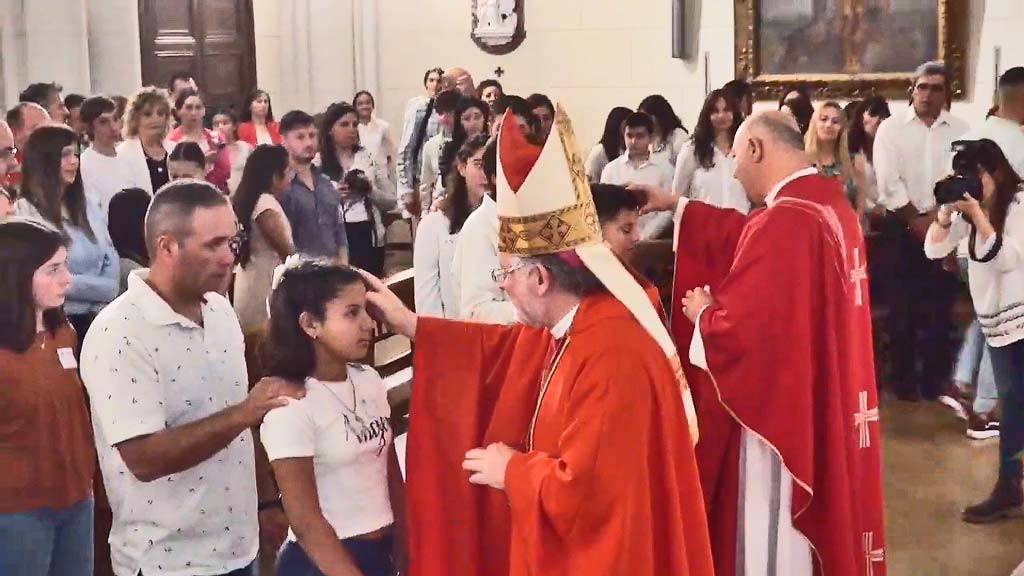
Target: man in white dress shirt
x: 911, y: 154
x: 637, y: 166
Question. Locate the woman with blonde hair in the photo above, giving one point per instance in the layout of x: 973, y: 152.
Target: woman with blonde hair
x: 826, y: 144
x: 145, y: 148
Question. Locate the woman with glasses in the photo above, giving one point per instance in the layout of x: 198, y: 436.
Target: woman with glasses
x: 434, y: 249
x: 266, y: 233
x: 52, y: 191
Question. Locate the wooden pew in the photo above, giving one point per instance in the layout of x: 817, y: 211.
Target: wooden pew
x: 656, y: 261
x: 391, y: 354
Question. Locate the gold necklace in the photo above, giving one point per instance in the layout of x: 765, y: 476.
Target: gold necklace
x: 543, y: 391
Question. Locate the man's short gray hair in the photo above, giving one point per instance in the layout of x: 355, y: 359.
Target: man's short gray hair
x: 172, y: 208
x: 933, y: 68
x: 575, y: 279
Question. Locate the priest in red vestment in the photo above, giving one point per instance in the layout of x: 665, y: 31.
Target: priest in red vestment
x: 562, y: 445
x: 773, y: 308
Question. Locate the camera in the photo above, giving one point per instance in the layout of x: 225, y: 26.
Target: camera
x: 357, y: 182
x: 964, y: 179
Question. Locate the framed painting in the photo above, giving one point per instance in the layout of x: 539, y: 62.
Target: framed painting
x: 847, y: 48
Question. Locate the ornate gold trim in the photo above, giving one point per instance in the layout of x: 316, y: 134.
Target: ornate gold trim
x: 550, y: 232
x: 952, y: 40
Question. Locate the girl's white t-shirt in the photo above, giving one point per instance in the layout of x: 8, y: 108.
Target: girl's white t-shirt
x: 349, y: 447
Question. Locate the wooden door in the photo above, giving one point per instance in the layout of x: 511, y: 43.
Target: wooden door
x: 211, y: 40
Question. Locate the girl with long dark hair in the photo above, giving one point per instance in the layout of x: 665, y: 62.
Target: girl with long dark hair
x: 374, y: 133
x: 472, y: 118
x: 332, y: 452
x: 434, y: 249
x: 52, y: 191
x: 669, y: 133
x: 797, y: 102
x: 232, y: 153
x: 704, y: 168
x: 867, y: 117
x: 256, y: 122
x: 611, y: 145
x: 365, y: 189
x: 267, y: 235
x: 126, y: 222
x: 994, y: 229
x: 46, y: 445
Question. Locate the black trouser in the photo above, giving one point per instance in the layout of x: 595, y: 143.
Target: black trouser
x: 919, y: 294
x: 361, y: 251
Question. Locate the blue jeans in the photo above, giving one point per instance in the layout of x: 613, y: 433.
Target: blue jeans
x: 47, y: 541
x: 974, y: 364
x: 1008, y: 364
x: 372, y: 557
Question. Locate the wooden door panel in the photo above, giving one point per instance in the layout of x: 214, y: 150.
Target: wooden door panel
x: 210, y: 40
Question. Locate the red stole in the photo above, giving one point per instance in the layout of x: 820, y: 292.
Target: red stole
x: 788, y: 344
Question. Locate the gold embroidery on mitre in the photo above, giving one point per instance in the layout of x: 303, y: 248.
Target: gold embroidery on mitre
x: 549, y: 232
x: 561, y: 229
x: 580, y: 184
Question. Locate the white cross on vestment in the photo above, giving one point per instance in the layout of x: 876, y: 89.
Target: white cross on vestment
x: 871, y: 556
x: 863, y: 417
x: 857, y: 275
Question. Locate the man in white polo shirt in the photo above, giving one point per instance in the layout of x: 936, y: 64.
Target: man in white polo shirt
x: 165, y: 369
x: 637, y: 166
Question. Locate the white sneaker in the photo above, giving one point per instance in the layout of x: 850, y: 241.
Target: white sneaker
x: 981, y: 428
x: 954, y: 405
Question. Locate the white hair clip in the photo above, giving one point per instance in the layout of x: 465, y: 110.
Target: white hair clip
x: 290, y: 262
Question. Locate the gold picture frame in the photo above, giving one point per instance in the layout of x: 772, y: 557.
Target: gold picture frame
x: 847, y: 21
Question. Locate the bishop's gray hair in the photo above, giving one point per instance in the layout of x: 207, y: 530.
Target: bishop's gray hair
x: 575, y: 279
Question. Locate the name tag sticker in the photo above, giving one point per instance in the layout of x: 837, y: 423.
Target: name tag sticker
x: 67, y: 358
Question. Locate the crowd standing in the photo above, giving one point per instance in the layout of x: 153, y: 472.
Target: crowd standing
x: 125, y: 224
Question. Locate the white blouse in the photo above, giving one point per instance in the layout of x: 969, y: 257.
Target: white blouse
x: 432, y: 258
x: 716, y: 185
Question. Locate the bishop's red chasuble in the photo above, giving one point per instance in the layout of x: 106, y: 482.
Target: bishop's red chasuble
x: 607, y: 482
x: 790, y: 363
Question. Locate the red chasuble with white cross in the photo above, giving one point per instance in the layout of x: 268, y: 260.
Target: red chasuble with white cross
x: 789, y: 353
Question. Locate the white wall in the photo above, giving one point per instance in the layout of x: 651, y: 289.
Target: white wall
x: 595, y: 54
x: 115, y: 60
x: 589, y: 54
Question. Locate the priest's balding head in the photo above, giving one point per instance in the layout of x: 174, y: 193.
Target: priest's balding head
x: 458, y: 78
x: 768, y: 147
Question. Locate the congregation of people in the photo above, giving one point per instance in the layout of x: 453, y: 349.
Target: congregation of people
x: 149, y: 243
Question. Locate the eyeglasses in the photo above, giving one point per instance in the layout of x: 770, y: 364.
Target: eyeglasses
x: 499, y: 275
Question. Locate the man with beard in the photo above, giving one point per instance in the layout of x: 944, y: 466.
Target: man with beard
x: 572, y: 452
x: 311, y: 203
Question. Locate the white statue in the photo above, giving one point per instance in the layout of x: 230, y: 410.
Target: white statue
x: 496, y: 21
